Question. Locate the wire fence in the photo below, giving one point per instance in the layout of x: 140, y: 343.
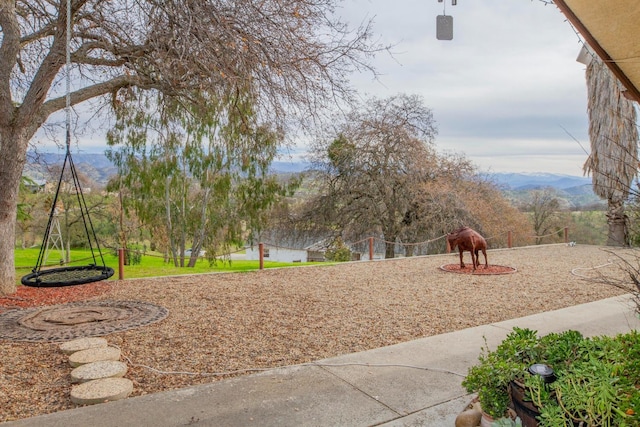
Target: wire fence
x: 368, y: 248
x: 375, y: 247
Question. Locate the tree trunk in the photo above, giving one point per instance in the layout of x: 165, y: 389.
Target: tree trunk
x: 409, y: 250
x: 617, y: 221
x: 198, y: 237
x: 13, y: 150
x: 169, y: 225
x: 389, y: 250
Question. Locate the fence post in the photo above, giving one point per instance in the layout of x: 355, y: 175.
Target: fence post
x: 261, y: 252
x: 370, y: 248
x: 121, y: 264
x: 509, y: 239
x: 566, y: 234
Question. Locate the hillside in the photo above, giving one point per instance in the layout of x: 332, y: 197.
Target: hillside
x: 574, y: 190
x: 95, y: 165
x: 529, y: 181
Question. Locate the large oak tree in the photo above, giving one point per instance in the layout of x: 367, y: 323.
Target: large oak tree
x: 293, y: 56
x: 378, y: 173
x: 370, y: 171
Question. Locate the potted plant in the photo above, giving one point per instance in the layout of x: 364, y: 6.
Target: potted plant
x: 596, y: 381
x: 490, y: 378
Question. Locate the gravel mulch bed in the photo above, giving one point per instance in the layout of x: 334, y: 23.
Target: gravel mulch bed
x: 221, y: 323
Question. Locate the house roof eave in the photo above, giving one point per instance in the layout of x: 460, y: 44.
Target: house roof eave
x: 618, y: 45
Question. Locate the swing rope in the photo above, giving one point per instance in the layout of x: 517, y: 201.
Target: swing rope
x: 70, y: 275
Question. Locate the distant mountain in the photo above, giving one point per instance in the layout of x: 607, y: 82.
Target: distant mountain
x: 288, y: 167
x: 580, y: 190
x: 532, y: 181
x: 575, y: 189
x: 97, y: 160
x: 95, y: 165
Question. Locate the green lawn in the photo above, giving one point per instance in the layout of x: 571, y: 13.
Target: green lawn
x: 152, y: 264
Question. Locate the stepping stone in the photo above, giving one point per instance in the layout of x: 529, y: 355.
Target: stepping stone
x: 93, y: 355
x: 99, y: 391
x: 80, y: 344
x: 98, y: 370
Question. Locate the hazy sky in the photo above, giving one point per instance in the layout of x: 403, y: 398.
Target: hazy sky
x: 503, y: 91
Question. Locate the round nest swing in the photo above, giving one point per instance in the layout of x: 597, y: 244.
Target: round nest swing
x: 67, y: 276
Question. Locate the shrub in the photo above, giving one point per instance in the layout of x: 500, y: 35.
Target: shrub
x: 338, y: 251
x: 597, y: 379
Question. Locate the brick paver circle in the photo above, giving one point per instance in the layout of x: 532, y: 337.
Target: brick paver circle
x: 65, y: 322
x: 493, y: 269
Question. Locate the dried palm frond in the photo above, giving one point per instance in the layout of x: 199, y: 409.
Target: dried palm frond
x: 613, y: 162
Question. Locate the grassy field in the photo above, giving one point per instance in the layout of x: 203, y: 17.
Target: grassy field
x: 151, y: 264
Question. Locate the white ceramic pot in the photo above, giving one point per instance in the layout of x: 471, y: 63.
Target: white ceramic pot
x: 486, y: 420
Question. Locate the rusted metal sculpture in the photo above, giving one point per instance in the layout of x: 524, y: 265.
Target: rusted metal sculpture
x: 467, y: 239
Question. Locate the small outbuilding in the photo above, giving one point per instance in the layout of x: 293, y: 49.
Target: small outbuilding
x: 291, y: 251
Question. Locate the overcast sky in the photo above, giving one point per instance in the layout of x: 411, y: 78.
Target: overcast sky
x: 503, y: 91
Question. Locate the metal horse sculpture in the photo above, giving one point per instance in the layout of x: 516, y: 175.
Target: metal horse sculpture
x: 470, y: 240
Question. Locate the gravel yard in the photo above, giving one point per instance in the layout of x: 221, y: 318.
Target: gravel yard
x: 221, y: 323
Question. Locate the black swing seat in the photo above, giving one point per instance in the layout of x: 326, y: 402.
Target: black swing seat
x: 67, y: 276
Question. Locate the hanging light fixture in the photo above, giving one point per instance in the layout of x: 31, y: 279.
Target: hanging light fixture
x: 444, y: 27
x: 444, y: 23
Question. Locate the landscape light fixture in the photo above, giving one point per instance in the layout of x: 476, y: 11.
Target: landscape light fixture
x: 544, y: 371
